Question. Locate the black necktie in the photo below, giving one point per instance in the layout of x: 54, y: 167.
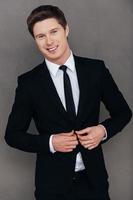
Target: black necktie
x: 70, y: 107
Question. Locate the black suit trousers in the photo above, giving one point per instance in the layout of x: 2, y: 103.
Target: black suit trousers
x: 80, y: 189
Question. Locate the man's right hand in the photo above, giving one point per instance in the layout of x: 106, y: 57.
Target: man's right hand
x: 64, y: 142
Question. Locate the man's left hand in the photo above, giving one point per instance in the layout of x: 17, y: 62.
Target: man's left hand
x: 90, y: 137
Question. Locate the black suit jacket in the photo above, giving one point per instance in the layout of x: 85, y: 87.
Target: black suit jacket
x: 37, y: 98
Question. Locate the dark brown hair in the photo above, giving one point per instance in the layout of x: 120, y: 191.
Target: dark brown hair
x: 45, y: 12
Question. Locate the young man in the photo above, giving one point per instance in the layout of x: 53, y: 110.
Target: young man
x: 63, y: 96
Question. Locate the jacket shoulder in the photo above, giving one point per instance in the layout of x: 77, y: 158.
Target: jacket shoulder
x: 90, y: 62
x: 29, y: 75
x: 88, y: 59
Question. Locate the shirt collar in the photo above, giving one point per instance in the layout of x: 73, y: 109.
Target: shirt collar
x: 53, y: 68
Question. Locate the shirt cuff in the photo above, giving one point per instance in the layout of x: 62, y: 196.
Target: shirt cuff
x: 105, y: 136
x: 51, y: 145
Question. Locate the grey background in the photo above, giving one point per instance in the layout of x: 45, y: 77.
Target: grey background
x: 98, y: 29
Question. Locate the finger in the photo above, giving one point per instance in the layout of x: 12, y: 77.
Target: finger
x: 71, y: 147
x: 83, y: 138
x: 72, y: 138
x: 83, y: 131
x: 92, y: 146
x: 89, y: 137
x: 74, y: 143
x: 67, y: 150
x: 68, y: 133
x: 86, y: 143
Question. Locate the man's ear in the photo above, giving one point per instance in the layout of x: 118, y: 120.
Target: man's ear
x: 67, y: 30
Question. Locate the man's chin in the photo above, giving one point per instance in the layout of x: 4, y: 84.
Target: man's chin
x: 52, y: 58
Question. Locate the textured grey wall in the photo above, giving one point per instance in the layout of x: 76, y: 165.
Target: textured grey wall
x: 99, y: 29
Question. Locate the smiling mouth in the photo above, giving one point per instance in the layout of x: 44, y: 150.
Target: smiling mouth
x: 52, y: 49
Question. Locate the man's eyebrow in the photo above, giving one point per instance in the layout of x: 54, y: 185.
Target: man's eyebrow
x: 40, y: 34
x: 54, y: 29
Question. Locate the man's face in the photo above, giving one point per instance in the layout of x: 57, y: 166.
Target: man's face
x: 51, y: 39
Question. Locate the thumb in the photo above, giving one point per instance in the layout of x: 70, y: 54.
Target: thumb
x: 83, y: 131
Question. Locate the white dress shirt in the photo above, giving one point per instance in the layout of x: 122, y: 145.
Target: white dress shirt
x: 57, y: 77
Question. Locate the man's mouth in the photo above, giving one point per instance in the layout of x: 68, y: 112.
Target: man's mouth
x: 52, y: 49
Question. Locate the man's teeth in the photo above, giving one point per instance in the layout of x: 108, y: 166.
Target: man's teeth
x: 52, y: 49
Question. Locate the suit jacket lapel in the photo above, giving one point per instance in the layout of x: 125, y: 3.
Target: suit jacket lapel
x: 83, y: 80
x: 49, y: 87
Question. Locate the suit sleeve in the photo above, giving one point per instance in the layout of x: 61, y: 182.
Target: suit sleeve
x: 120, y: 113
x: 16, y: 134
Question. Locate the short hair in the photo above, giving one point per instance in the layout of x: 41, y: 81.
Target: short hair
x: 45, y: 12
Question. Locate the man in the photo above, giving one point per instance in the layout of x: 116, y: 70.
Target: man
x: 63, y: 96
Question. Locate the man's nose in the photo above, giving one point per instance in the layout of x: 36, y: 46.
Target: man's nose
x: 49, y: 40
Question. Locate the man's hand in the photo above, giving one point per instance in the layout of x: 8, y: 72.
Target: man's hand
x: 64, y: 142
x: 91, y: 137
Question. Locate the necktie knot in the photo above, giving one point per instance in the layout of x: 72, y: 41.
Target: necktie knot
x: 63, y: 68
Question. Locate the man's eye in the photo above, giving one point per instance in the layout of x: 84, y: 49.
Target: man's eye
x: 55, y: 31
x: 40, y: 36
